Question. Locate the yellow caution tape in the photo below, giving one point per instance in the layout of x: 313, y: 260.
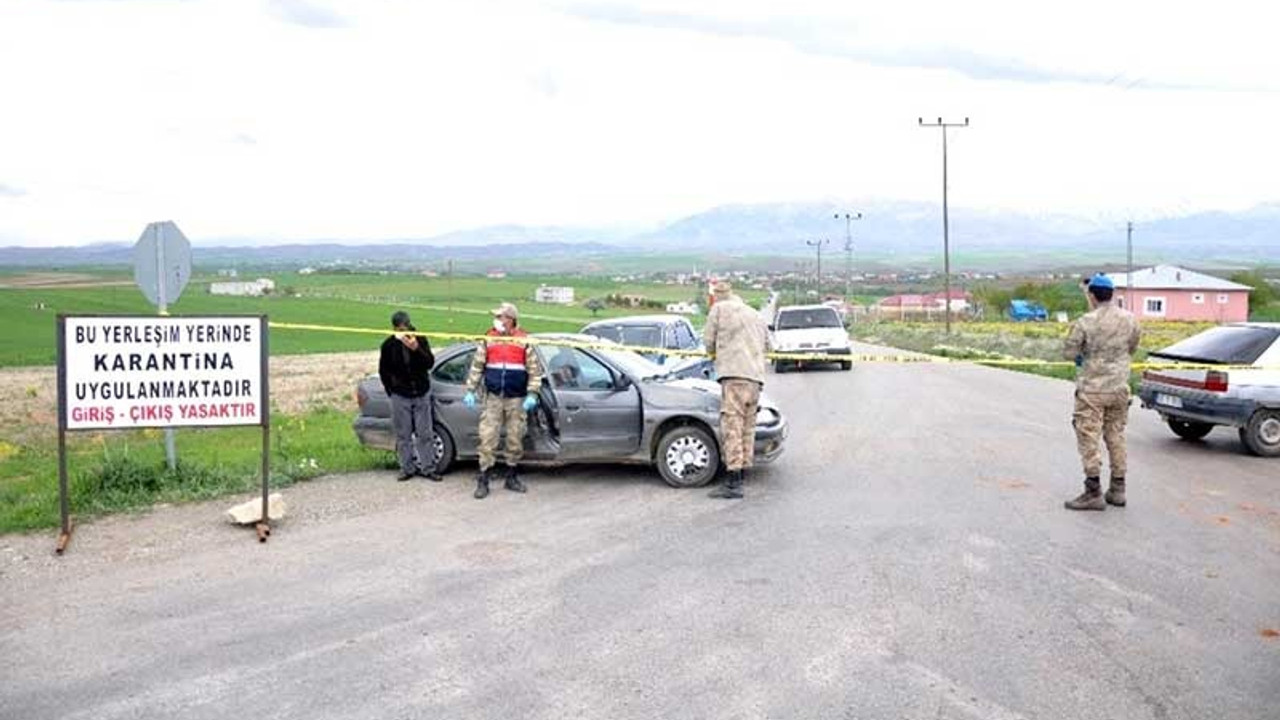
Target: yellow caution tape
x: 914, y: 358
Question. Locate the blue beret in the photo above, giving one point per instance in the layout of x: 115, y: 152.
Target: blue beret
x: 1101, y: 281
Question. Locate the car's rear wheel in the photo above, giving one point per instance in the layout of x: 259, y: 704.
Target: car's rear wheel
x: 446, y: 453
x: 687, y: 457
x: 779, y: 366
x: 1188, y: 430
x: 1262, y: 434
x: 846, y: 365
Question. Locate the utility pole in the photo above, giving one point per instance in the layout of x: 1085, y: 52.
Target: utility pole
x: 818, y: 244
x: 946, y: 239
x: 1128, y: 276
x: 848, y: 250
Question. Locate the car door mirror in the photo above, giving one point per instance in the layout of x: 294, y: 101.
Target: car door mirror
x: 771, y: 327
x: 623, y: 382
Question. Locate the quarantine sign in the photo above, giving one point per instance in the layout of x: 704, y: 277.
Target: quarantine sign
x: 118, y: 372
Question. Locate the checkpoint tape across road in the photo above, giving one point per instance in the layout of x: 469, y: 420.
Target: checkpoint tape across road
x: 913, y: 358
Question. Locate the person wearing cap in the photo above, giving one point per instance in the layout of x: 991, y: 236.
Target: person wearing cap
x: 1101, y: 343
x: 405, y: 370
x: 511, y: 378
x: 736, y: 337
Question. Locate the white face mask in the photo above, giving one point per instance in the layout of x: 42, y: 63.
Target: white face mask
x: 498, y: 325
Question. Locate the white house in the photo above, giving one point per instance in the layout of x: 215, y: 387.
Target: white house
x: 553, y: 294
x: 261, y: 286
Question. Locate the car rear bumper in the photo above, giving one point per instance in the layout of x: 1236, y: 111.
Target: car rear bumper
x: 1197, y: 405
x: 374, y: 432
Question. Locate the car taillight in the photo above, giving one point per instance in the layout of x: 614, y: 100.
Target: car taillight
x: 1215, y: 381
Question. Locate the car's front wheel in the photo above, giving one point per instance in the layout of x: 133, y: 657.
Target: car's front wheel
x: 1262, y: 434
x: 445, y: 452
x: 1188, y: 430
x: 846, y: 365
x: 687, y: 457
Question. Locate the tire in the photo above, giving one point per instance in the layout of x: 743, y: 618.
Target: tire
x: 1188, y: 430
x: 779, y: 367
x: 687, y: 457
x: 846, y: 365
x: 1262, y: 434
x: 446, y: 452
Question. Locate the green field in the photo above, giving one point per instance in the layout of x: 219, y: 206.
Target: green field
x: 346, y: 300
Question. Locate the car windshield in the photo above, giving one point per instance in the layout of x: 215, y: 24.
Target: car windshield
x: 812, y: 318
x: 633, y: 335
x: 1227, y: 345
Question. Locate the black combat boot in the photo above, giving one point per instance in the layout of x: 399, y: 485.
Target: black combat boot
x: 482, y: 485
x: 1090, y: 499
x: 732, y: 487
x: 1115, y: 493
x: 512, y: 481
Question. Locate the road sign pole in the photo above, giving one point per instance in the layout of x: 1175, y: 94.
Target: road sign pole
x: 170, y: 446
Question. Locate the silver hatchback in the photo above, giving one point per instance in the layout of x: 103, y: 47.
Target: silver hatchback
x: 596, y: 406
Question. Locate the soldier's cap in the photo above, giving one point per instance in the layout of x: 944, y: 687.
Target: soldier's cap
x: 721, y: 287
x: 506, y: 309
x: 1101, y: 281
x: 399, y: 318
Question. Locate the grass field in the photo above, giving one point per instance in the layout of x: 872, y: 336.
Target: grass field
x: 126, y: 470
x: 340, y: 300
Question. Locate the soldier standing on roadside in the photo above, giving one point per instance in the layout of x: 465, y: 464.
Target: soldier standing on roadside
x: 1102, y: 343
x: 512, y: 377
x: 736, y: 337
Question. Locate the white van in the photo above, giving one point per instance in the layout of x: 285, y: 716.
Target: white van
x: 810, y: 330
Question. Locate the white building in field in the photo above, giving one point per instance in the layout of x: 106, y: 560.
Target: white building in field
x: 682, y: 308
x: 553, y: 294
x: 256, y: 288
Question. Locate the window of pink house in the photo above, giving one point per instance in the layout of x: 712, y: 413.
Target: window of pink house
x: 1197, y: 298
x: 1223, y: 298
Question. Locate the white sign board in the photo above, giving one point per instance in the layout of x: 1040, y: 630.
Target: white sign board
x: 136, y: 372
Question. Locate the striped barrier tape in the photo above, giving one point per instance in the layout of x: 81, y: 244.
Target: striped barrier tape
x: 914, y: 358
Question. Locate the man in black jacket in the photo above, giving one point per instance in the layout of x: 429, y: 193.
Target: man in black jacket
x: 405, y: 369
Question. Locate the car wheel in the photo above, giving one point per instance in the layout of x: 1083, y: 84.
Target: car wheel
x: 847, y: 365
x: 446, y: 454
x: 779, y: 367
x: 687, y: 457
x: 1188, y: 430
x: 1262, y: 434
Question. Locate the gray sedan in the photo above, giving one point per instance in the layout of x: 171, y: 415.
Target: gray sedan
x: 596, y: 406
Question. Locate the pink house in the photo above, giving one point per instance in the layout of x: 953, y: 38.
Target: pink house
x: 1167, y: 292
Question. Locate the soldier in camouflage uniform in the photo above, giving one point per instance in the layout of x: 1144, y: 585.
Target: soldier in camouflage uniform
x: 512, y: 378
x: 736, y: 337
x: 1102, y: 343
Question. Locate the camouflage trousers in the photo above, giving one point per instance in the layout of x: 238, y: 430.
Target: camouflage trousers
x: 1100, y: 418
x: 738, y: 404
x: 501, y: 415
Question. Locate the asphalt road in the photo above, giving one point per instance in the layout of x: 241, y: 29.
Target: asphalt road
x: 908, y: 557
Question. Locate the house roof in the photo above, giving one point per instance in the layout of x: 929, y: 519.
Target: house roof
x: 1172, y: 277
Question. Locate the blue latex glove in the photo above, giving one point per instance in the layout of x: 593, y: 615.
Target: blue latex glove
x: 530, y: 402
x: 1079, y: 361
x: 469, y: 400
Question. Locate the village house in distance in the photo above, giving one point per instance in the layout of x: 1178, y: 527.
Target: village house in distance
x: 1168, y: 292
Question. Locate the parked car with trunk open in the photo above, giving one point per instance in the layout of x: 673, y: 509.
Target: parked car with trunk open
x: 1238, y: 385
x: 596, y: 406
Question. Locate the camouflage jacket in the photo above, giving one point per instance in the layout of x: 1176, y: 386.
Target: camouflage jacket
x: 736, y: 337
x: 1102, y: 343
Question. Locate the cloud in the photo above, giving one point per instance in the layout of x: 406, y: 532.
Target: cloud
x: 847, y: 39
x: 9, y: 191
x: 306, y: 13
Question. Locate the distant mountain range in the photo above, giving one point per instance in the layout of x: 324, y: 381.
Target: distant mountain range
x: 890, y: 234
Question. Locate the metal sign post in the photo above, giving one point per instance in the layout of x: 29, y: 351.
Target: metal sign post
x: 161, y: 268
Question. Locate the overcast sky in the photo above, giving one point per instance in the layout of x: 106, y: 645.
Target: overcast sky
x: 375, y: 119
